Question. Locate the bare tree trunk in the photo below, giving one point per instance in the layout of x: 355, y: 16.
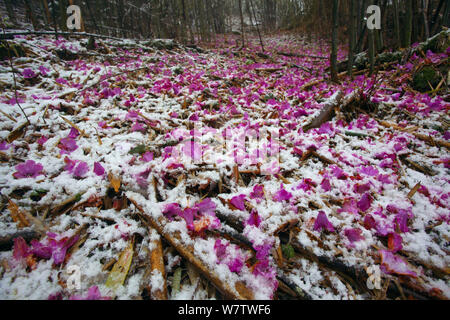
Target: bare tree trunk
x: 257, y: 27
x: 371, y: 51
x: 334, y: 42
x: 397, y: 24
x: 436, y: 17
x: 351, y: 49
x: 242, y: 23
x: 10, y: 10
x: 425, y: 4
x: 30, y: 15
x: 408, y: 24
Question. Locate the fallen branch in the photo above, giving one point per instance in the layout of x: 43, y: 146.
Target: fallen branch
x: 300, y: 55
x: 240, y: 292
x: 327, y: 112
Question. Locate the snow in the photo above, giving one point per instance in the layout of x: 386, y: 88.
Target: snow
x: 234, y: 109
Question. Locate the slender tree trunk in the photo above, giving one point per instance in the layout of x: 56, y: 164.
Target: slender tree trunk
x: 408, y: 24
x: 55, y: 23
x: 371, y: 51
x: 352, y: 27
x: 435, y: 20
x: 334, y: 42
x: 242, y: 23
x: 397, y: 24
x: 425, y: 4
x: 257, y: 27
x: 30, y: 15
x: 10, y: 10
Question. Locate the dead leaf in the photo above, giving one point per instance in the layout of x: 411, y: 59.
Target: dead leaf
x: 115, y: 182
x: 120, y: 270
x: 17, y: 133
x: 17, y: 215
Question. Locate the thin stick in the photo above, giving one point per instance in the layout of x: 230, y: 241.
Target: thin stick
x: 14, y: 75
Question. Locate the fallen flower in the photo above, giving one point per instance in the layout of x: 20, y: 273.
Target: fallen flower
x: 354, y: 235
x: 98, y: 169
x: 147, y: 157
x: 67, y: 145
x: 395, y: 242
x: 4, y: 146
x: 282, y: 195
x: 365, y: 202
x: 392, y: 264
x: 323, y: 223
x: 81, y: 170
x: 29, y: 169
x: 42, y: 140
x: 238, y: 202
x: 325, y: 184
x: 54, y: 247
x: 28, y: 73
x: 93, y: 294
x: 258, y: 192
x: 253, y: 220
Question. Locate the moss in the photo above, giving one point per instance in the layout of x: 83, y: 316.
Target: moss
x: 423, y: 77
x: 438, y: 44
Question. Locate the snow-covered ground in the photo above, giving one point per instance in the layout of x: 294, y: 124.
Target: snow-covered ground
x: 116, y: 125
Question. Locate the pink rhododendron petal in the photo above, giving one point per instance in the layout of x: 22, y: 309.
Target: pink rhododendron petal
x: 172, y: 210
x: 98, y: 169
x: 80, y: 170
x: 253, y: 220
x: 74, y: 133
x: 67, y: 145
x: 282, y: 195
x: 392, y: 264
x: 395, y: 242
x: 29, y: 169
x: 325, y: 185
x: 354, y: 235
x: 4, y: 146
x: 323, y: 223
x: 258, y: 192
x: 21, y: 249
x: 365, y: 202
x: 349, y: 206
x: 239, y: 202
x: 147, y: 157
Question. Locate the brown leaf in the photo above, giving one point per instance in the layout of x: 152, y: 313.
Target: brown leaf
x: 17, y: 133
x: 17, y: 215
x: 115, y: 182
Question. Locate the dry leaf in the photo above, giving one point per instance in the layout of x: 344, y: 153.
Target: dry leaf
x: 17, y: 215
x: 120, y: 270
x: 17, y: 133
x: 115, y: 182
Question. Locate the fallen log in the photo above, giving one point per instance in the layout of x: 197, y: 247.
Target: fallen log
x: 300, y: 55
x: 327, y: 112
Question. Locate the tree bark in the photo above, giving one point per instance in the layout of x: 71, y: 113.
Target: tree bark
x: 334, y: 40
x: 397, y: 24
x: 352, y: 27
x: 408, y: 24
x: 10, y: 10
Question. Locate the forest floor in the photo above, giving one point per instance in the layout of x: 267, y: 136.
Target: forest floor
x: 105, y: 194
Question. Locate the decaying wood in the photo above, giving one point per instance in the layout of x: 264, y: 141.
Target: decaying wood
x: 157, y: 263
x: 326, y: 114
x: 240, y: 292
x: 428, y: 139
